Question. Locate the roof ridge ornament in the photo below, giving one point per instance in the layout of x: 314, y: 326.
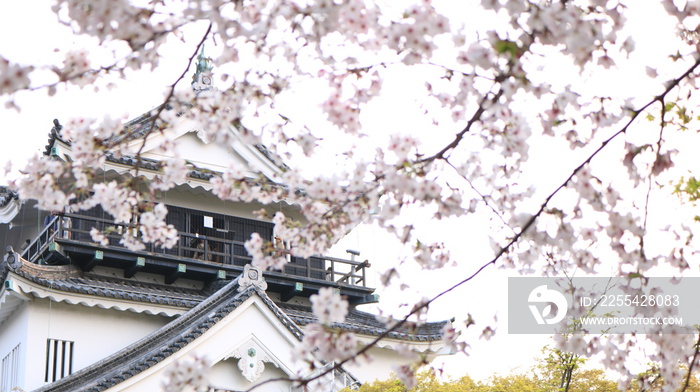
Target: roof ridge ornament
x: 251, y: 277
x: 12, y: 260
x: 202, y: 78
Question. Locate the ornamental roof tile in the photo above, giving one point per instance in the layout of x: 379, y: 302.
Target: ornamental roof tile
x: 6, y: 196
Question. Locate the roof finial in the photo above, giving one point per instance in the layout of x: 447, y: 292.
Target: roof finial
x: 201, y: 80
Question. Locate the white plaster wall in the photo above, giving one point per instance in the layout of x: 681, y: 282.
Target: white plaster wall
x: 96, y: 332
x: 14, y: 332
x: 211, y: 155
x: 379, y: 368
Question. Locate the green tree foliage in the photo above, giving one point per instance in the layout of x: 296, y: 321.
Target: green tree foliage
x: 592, y: 380
x: 511, y: 382
x: 544, y: 377
x: 688, y: 189
x: 557, y: 370
x: 428, y: 381
x: 587, y: 380
x: 652, y: 381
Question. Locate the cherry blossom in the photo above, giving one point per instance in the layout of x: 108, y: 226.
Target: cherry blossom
x: 187, y: 374
x: 175, y: 171
x: 406, y: 375
x: 450, y: 336
x: 13, y: 77
x: 530, y: 74
x: 77, y: 69
x: 99, y: 237
x: 328, y: 306
x: 323, y: 344
x: 154, y: 230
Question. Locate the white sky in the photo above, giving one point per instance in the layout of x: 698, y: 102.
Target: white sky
x: 25, y: 133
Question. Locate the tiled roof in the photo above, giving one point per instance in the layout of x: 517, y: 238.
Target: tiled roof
x: 367, y: 324
x: 208, y: 307
x: 140, y: 126
x: 164, y: 342
x: 71, y: 279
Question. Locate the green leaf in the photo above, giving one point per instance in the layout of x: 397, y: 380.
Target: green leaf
x: 505, y: 46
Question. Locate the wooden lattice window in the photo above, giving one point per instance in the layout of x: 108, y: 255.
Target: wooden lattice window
x: 9, y: 371
x: 59, y: 359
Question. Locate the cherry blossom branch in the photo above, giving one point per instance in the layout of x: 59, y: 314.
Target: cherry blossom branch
x: 482, y: 196
x: 651, y: 175
x: 506, y: 248
x: 460, y: 135
x: 102, y: 69
x: 516, y: 238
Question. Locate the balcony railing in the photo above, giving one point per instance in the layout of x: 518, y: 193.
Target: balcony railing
x: 209, y: 249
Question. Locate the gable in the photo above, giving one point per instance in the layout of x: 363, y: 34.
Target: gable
x: 228, y: 346
x: 9, y: 205
x: 224, y: 328
x: 190, y: 143
x: 193, y: 145
x: 212, y: 156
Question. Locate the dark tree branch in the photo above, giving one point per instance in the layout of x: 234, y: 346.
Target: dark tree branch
x: 516, y: 238
x: 482, y: 196
x: 483, y: 105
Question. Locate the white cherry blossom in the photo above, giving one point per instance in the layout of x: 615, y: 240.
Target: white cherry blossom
x: 328, y: 307
x: 493, y: 98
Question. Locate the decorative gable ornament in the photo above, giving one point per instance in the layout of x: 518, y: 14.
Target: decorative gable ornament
x: 251, y: 277
x: 252, y: 359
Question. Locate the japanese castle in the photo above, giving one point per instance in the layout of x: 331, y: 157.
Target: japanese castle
x: 76, y: 315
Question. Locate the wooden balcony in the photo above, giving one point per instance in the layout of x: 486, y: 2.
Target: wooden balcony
x: 67, y: 240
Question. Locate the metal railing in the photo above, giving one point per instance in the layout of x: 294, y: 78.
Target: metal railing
x: 336, y: 379
x: 38, y: 248
x: 211, y: 249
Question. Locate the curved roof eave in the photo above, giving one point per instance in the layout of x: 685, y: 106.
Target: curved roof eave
x: 10, y: 205
x: 67, y: 283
